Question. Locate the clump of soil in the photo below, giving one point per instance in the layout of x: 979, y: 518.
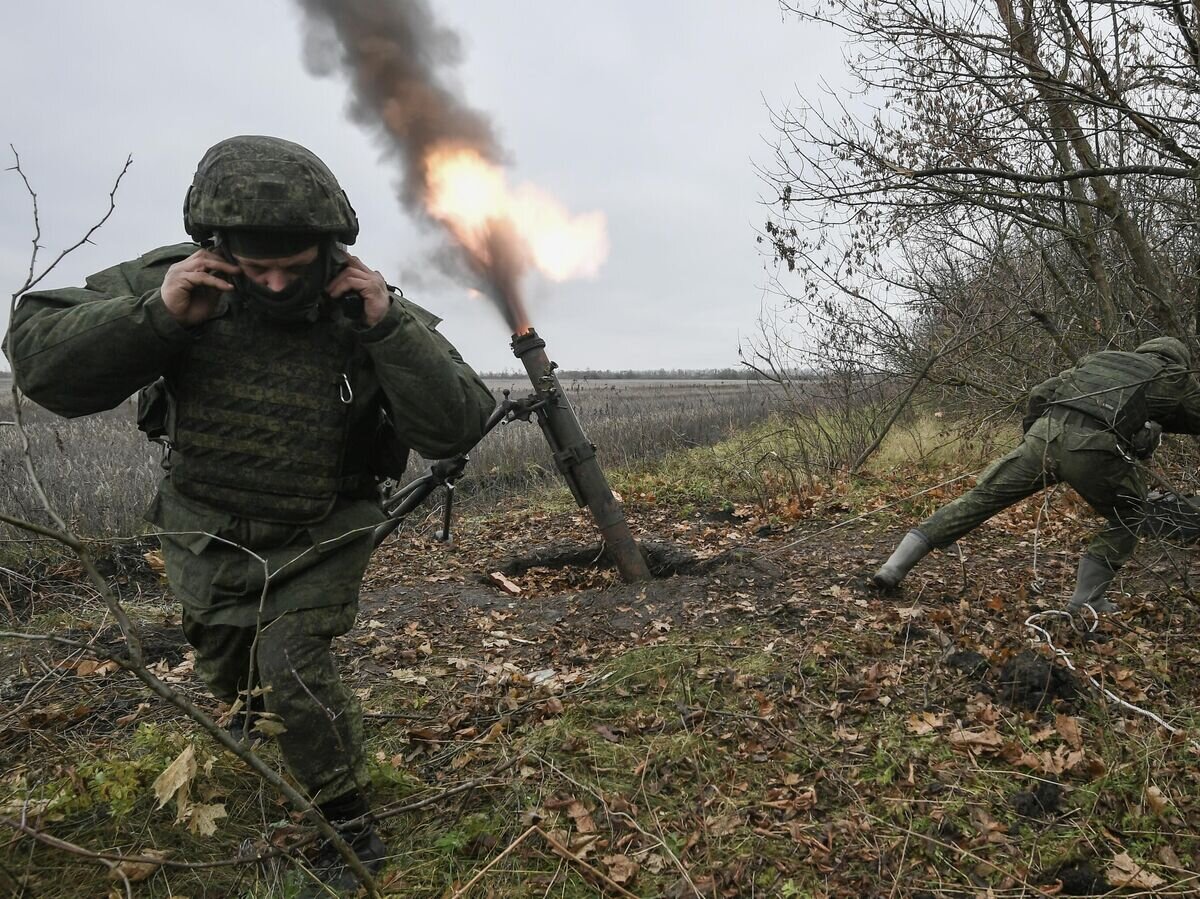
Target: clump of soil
x: 1029, y: 681
x: 969, y: 662
x: 562, y: 554
x: 1078, y: 879
x: 125, y: 563
x: 724, y: 515
x: 1044, y: 800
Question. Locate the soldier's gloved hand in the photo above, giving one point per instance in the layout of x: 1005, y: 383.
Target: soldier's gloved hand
x: 191, y: 289
x: 368, y: 284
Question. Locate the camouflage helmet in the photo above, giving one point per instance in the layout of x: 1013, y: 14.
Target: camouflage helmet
x: 1169, y: 348
x: 266, y: 184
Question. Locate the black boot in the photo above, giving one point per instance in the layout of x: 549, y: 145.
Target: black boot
x: 326, y: 863
x: 237, y: 726
x: 241, y: 724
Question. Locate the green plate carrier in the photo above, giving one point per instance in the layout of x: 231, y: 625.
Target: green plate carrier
x: 262, y: 412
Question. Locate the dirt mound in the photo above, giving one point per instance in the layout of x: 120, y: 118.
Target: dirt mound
x: 1043, y: 800
x: 969, y: 662
x: 164, y: 643
x: 1029, y: 681
x: 1078, y: 879
x: 664, y: 559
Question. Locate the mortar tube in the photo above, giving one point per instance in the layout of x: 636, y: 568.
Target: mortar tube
x: 575, y: 457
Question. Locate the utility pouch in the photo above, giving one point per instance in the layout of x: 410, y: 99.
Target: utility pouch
x: 389, y: 455
x: 155, y: 412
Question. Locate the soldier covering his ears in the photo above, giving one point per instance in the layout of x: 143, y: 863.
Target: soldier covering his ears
x: 1087, y: 427
x: 289, y: 378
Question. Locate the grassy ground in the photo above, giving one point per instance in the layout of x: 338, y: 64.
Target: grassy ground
x: 758, y: 724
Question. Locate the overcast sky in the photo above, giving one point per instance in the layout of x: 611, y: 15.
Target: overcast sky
x: 652, y: 113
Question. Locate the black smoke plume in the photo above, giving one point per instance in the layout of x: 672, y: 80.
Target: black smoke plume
x: 396, y: 56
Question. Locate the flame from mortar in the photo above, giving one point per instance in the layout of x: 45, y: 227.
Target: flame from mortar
x: 395, y: 53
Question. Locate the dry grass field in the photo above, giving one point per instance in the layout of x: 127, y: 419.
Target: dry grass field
x: 630, y: 421
x: 100, y: 472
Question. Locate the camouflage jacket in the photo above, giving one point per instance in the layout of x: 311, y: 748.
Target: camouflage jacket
x: 78, y: 351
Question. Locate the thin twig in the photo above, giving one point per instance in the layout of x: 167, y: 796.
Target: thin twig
x: 629, y: 819
x: 462, y: 891
x: 571, y: 858
x: 392, y: 811
x: 114, y: 867
x: 73, y: 849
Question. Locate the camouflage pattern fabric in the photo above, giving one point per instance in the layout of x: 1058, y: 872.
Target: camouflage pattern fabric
x: 323, y: 737
x: 261, y: 416
x: 1111, y: 387
x: 78, y: 351
x: 269, y: 184
x: 1065, y: 447
x: 1172, y: 398
x: 218, y: 564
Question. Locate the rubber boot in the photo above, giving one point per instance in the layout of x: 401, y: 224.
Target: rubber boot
x: 912, y: 549
x: 1091, y: 580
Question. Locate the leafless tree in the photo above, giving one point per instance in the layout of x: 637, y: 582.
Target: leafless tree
x: 1010, y: 184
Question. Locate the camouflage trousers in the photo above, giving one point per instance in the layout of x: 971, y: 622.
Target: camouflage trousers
x: 323, y: 739
x: 1061, y: 447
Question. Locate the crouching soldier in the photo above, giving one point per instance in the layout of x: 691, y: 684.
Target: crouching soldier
x: 1087, y: 427
x: 277, y: 359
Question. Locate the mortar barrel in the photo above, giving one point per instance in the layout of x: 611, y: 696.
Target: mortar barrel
x: 576, y: 457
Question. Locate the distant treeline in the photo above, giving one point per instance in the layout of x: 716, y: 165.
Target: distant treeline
x: 643, y: 374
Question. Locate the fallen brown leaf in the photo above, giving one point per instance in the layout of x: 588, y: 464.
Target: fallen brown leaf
x: 504, y: 583
x: 1125, y: 872
x: 203, y: 820
x: 621, y: 868
x: 1068, y: 729
x: 94, y: 668
x: 925, y: 723
x: 176, y: 780
x: 980, y: 739
x: 154, y: 559
x: 581, y: 816
x: 1157, y: 801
